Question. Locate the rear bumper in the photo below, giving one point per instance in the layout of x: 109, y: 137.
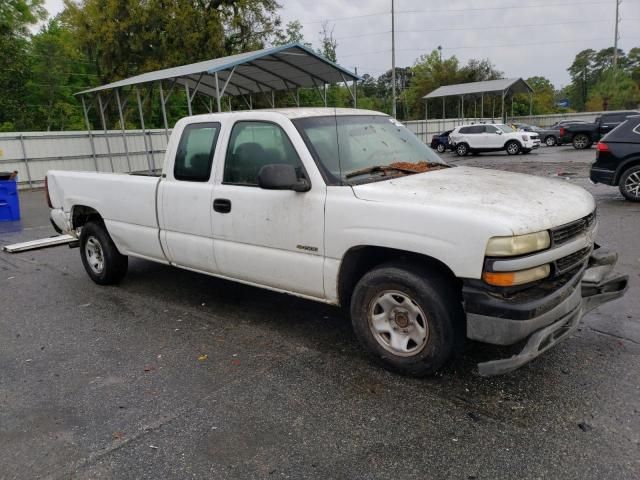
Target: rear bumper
x: 598, y: 175
x: 589, y: 289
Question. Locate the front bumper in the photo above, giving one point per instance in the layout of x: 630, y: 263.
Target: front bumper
x: 592, y: 287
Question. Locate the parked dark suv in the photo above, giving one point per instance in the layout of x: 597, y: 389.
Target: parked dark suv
x: 618, y: 159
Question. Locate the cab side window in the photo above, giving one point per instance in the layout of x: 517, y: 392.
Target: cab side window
x: 252, y: 146
x: 490, y: 129
x: 195, y: 152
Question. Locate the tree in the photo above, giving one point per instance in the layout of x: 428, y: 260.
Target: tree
x: 328, y: 43
x: 292, y: 33
x: 614, y: 91
x: 58, y: 70
x: 128, y: 37
x: 15, y: 18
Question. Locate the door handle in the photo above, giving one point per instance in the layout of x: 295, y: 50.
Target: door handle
x: 222, y: 205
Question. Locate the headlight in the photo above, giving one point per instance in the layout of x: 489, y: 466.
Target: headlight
x: 518, y: 245
x: 510, y: 279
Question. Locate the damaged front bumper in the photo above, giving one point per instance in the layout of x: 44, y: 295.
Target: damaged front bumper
x: 562, y: 311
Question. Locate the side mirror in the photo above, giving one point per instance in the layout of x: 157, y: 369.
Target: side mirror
x: 281, y: 176
x: 499, y: 132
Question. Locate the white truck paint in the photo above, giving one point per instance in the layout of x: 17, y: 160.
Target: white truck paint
x: 299, y: 242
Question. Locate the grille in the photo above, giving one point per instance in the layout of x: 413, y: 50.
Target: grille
x: 567, y: 232
x: 567, y: 263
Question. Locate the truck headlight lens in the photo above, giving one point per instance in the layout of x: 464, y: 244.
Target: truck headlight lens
x: 510, y: 279
x: 518, y: 245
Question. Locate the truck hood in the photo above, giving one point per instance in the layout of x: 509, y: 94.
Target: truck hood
x: 516, y: 202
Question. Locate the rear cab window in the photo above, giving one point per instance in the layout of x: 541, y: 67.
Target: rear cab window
x: 194, y: 156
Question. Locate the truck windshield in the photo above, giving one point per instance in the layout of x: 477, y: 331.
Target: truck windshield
x: 361, y: 148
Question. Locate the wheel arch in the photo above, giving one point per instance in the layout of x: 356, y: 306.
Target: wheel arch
x: 511, y: 140
x: 81, y: 214
x: 360, y: 259
x: 627, y: 164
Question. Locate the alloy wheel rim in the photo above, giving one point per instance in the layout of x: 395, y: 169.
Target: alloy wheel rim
x: 398, y: 323
x: 94, y: 255
x: 632, y: 184
x: 581, y: 142
x: 512, y: 148
x: 550, y: 142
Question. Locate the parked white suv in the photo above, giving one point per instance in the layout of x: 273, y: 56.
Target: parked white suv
x: 492, y: 138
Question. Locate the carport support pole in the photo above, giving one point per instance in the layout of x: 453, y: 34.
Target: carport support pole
x: 512, y: 108
x: 164, y: 112
x: 502, y: 114
x: 482, y: 106
x: 426, y: 120
x: 186, y: 88
x: 462, y: 108
x: 217, y: 92
x: 86, y: 121
x: 443, y: 116
x: 144, y: 130
x: 122, y: 127
x: 106, y: 134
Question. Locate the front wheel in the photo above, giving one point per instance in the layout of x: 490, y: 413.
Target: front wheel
x: 512, y: 148
x: 630, y: 184
x: 581, y: 141
x: 408, y: 318
x: 100, y: 257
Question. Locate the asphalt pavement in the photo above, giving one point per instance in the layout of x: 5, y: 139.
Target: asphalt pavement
x: 173, y: 374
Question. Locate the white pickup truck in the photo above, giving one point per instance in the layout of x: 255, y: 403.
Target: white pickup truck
x: 349, y: 208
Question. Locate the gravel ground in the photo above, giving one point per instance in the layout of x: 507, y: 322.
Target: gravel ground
x: 177, y: 375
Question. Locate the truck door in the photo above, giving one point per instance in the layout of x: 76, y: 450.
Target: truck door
x: 184, y: 199
x: 268, y: 237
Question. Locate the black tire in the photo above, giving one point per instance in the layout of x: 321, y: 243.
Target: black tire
x: 550, y: 141
x: 512, y: 147
x: 581, y: 141
x: 433, y: 293
x: 440, y: 148
x: 630, y: 184
x: 100, y: 257
x: 462, y: 149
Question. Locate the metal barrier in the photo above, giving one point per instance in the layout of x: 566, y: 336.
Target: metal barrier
x: 32, y: 154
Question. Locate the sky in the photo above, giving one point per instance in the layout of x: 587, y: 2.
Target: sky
x: 522, y: 38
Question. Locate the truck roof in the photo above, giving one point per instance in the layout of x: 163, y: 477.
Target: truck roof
x: 303, y: 112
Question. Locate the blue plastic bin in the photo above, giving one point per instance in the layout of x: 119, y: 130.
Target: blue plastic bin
x: 9, y: 202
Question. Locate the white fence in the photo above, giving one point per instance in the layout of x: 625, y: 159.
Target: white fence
x: 32, y: 154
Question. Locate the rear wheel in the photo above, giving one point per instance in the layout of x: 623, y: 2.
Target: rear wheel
x: 581, y: 141
x: 630, y: 184
x: 550, y: 141
x: 440, y: 148
x: 512, y: 148
x: 462, y: 149
x: 100, y: 257
x: 408, y: 318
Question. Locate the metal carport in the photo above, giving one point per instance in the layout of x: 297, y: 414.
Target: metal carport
x: 504, y: 87
x: 261, y: 72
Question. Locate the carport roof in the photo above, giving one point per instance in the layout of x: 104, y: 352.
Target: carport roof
x: 515, y: 85
x: 277, y: 68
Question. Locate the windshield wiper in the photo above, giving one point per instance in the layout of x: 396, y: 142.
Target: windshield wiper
x: 377, y: 168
